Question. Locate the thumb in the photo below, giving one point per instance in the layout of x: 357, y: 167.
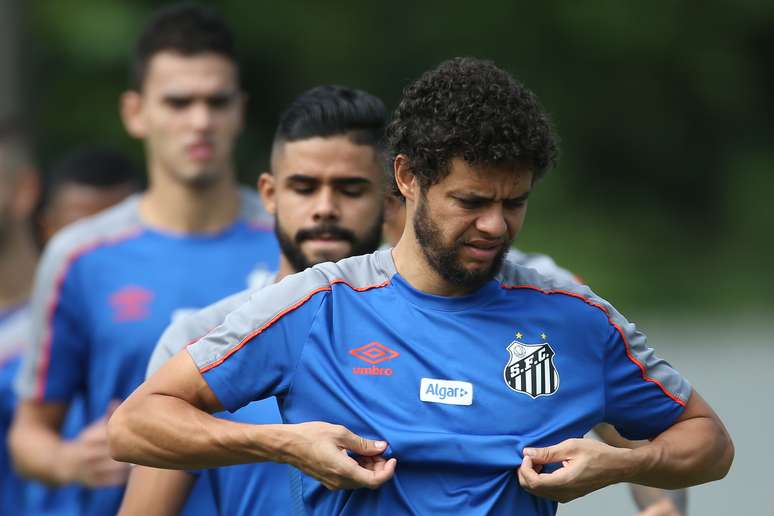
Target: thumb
x: 362, y: 446
x: 112, y: 406
x: 547, y: 455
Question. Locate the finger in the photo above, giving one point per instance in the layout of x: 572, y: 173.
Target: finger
x: 112, y: 406
x: 357, y: 476
x: 528, y: 477
x: 550, y: 454
x: 361, y: 445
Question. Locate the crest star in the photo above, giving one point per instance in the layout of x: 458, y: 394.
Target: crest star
x: 543, y: 336
x: 519, y: 335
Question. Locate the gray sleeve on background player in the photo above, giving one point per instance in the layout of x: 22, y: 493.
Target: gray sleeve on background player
x: 58, y: 257
x: 542, y: 263
x: 191, y: 327
x: 656, y: 368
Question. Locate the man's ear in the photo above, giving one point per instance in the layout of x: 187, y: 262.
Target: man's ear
x: 268, y: 192
x: 131, y: 114
x: 405, y: 178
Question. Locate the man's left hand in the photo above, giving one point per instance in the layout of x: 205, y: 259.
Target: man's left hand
x: 587, y: 465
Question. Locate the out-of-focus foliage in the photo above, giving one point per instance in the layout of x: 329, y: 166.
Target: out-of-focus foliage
x: 664, y: 109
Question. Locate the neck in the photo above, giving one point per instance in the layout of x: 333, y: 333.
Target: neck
x: 285, y: 268
x: 17, y: 267
x: 412, y: 265
x: 172, y: 206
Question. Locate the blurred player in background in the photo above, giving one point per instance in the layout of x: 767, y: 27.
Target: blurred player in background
x: 19, y: 190
x: 109, y: 285
x: 85, y: 181
x: 325, y: 189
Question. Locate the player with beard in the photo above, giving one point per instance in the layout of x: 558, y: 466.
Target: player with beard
x: 108, y: 285
x: 325, y: 188
x: 440, y: 380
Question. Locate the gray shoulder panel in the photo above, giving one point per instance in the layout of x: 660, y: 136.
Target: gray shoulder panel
x: 189, y: 328
x: 269, y: 304
x: 542, y: 263
x: 115, y: 223
x: 653, y: 368
x: 15, y: 334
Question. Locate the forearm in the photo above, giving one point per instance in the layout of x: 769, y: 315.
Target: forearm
x: 691, y: 452
x: 167, y: 432
x: 38, y: 453
x: 155, y: 492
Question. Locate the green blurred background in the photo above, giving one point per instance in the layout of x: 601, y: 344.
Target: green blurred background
x: 662, y: 197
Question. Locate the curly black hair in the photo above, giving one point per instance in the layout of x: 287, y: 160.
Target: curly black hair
x: 469, y: 108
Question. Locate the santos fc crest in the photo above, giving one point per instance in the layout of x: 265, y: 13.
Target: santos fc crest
x: 531, y: 369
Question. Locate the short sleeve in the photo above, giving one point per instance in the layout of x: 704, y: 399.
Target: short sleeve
x: 53, y: 368
x: 253, y: 354
x: 190, y: 328
x: 644, y: 395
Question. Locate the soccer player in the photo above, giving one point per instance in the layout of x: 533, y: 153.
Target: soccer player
x: 325, y: 188
x: 85, y: 181
x: 19, y: 187
x: 436, y: 374
x: 108, y: 286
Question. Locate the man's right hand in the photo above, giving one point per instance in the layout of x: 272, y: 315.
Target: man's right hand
x: 86, y: 459
x: 321, y: 451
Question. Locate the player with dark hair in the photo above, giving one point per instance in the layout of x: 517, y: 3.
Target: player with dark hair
x: 325, y: 188
x: 442, y: 377
x: 107, y: 286
x: 85, y: 181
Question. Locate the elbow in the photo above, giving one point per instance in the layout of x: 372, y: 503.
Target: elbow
x: 725, y: 458
x: 120, y: 434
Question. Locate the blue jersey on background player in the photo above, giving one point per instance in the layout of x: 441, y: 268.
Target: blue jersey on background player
x: 107, y: 288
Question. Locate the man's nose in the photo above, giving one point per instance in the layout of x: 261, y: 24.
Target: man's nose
x: 492, y: 221
x: 201, y: 116
x: 326, y: 207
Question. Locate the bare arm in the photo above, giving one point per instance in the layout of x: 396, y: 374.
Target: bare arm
x: 155, y: 492
x: 166, y: 423
x: 40, y: 453
x: 649, y: 499
x: 694, y: 450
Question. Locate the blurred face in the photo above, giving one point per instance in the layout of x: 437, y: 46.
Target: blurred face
x: 465, y: 223
x: 326, y: 195
x: 189, y: 113
x: 73, y: 201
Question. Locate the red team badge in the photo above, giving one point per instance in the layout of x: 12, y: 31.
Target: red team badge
x: 374, y: 353
x: 531, y: 369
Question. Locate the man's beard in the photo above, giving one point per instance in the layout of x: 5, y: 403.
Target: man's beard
x: 291, y: 246
x: 445, y: 259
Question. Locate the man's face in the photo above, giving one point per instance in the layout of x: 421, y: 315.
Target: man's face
x: 465, y: 223
x: 189, y: 113
x: 326, y: 195
x: 73, y: 201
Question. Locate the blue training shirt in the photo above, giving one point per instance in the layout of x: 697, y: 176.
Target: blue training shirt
x: 246, y: 489
x: 107, y: 287
x: 457, y: 386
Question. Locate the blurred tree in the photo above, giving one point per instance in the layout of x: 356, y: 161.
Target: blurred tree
x: 664, y: 110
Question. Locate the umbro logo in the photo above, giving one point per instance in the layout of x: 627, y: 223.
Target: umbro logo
x: 131, y: 303
x: 374, y: 353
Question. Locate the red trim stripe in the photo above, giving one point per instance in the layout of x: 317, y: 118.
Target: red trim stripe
x: 620, y: 331
x: 45, y: 359
x: 286, y: 311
